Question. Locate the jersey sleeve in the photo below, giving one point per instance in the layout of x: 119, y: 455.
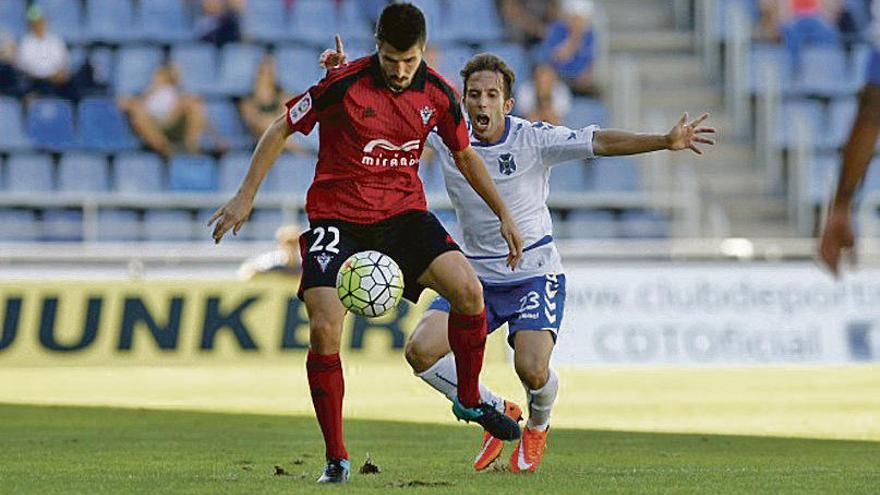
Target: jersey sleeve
x: 560, y: 144
x: 452, y: 128
x: 301, y: 114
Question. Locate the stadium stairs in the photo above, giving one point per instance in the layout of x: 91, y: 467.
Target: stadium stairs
x: 673, y: 81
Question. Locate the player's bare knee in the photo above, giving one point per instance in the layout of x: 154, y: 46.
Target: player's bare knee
x: 532, y: 373
x: 418, y: 356
x: 469, y: 297
x: 324, y: 337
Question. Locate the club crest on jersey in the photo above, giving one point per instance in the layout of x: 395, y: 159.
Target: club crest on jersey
x: 324, y: 260
x: 301, y: 108
x: 426, y: 113
x: 506, y: 164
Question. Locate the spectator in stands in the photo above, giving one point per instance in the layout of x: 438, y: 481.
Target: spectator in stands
x: 165, y: 117
x: 801, y: 22
x: 526, y: 20
x: 544, y: 98
x: 262, y: 107
x: 570, y: 46
x: 43, y: 59
x: 220, y: 21
x: 10, y: 79
x: 285, y: 260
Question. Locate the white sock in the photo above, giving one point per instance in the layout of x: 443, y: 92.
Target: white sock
x: 541, y: 402
x: 441, y: 376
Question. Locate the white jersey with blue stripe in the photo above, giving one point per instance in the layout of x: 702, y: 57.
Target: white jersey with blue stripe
x: 519, y: 163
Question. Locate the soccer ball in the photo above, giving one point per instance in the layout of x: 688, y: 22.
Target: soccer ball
x: 369, y: 283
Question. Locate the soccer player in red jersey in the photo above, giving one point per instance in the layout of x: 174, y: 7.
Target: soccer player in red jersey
x: 375, y: 114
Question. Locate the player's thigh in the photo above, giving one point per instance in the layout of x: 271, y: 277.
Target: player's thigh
x: 326, y: 315
x: 429, y: 341
x: 453, y: 277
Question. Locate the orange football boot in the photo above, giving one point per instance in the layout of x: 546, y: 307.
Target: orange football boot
x: 529, y: 451
x: 491, y: 447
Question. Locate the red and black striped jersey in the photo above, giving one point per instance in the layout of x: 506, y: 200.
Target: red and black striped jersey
x: 371, y: 139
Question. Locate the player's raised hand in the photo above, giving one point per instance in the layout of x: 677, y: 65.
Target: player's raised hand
x: 687, y: 135
x: 837, y: 239
x: 511, y: 235
x: 333, y: 58
x: 232, y: 215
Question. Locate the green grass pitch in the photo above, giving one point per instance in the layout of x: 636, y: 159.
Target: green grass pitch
x: 102, y: 450
x: 797, y: 430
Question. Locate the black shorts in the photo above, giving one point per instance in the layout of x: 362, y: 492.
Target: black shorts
x: 413, y: 239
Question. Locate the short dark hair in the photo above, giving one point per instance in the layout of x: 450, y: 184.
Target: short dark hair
x: 402, y: 25
x: 492, y: 63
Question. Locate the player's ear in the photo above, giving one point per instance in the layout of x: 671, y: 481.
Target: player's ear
x: 508, y: 105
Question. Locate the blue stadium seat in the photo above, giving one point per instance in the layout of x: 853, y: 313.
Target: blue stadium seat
x: 165, y: 21
x: 65, y: 18
x: 12, y: 134
x: 262, y: 225
x: 353, y: 24
x: 103, y: 127
x: 110, y: 21
x: 586, y: 111
x: 135, y: 67
x: 233, y: 167
x: 103, y: 62
x: 794, y: 111
x: 83, y: 172
x: 12, y: 17
x: 451, y: 60
x: 589, y: 224
x: 841, y: 114
x: 168, y: 225
x: 265, y: 20
x: 568, y: 177
x: 192, y: 173
x: 29, y: 173
x: 437, y: 18
x: 119, y: 225
x: 50, y: 124
x: 298, y: 68
x: 292, y: 174
x: 822, y: 177
x: 238, y: 69
x: 638, y: 224
x: 19, y: 225
x: 225, y: 119
x: 773, y: 55
x: 474, y: 21
x: 198, y: 67
x: 825, y: 72
x: 65, y: 225
x: 514, y: 55
x: 314, y: 22
x: 615, y: 174
x: 138, y: 173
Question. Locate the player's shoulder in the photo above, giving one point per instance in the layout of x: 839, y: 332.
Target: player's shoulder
x: 357, y: 66
x: 437, y: 80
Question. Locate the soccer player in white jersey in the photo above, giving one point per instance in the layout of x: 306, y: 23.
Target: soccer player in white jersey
x: 519, y: 155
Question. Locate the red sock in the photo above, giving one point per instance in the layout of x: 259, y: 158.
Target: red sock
x: 467, y: 338
x: 328, y: 387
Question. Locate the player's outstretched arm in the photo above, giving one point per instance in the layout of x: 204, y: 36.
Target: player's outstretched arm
x: 684, y: 135
x: 838, y: 235
x: 233, y: 214
x: 474, y: 170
